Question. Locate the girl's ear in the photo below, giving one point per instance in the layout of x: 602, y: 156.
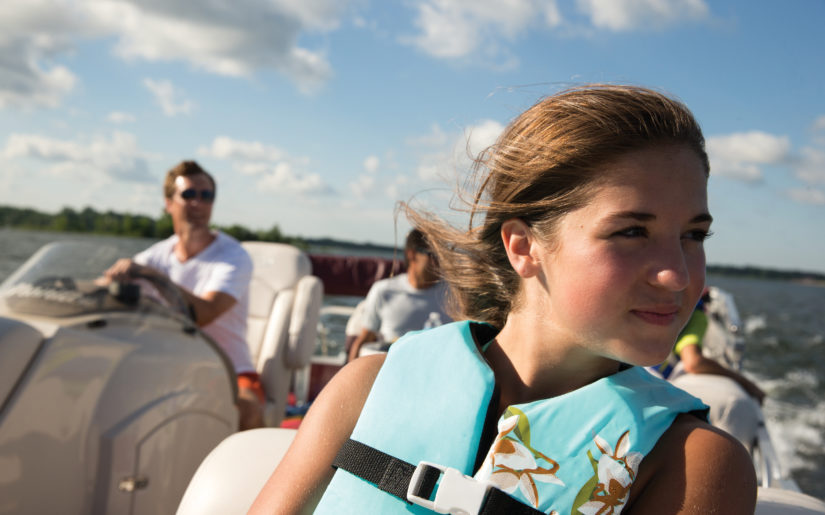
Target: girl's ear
x: 518, y: 243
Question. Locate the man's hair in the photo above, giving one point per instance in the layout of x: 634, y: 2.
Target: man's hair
x: 417, y: 242
x: 184, y: 169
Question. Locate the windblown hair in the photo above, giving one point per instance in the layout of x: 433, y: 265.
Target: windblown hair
x: 184, y: 169
x: 543, y: 166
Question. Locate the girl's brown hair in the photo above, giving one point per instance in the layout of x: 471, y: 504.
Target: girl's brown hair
x: 543, y: 166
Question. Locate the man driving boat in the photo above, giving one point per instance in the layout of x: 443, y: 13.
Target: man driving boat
x: 212, y: 272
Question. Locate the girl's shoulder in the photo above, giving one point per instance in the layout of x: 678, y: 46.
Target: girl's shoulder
x: 695, y: 468
x: 306, y: 468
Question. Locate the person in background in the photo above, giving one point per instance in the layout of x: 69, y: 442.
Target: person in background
x: 407, y: 302
x: 688, y: 352
x: 211, y: 271
x: 582, y: 262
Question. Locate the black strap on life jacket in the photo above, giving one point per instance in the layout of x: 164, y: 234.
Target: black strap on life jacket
x: 393, y: 476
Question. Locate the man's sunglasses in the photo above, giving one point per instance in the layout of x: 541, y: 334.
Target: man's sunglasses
x: 192, y: 193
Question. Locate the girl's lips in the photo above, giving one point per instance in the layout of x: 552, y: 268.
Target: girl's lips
x: 658, y: 317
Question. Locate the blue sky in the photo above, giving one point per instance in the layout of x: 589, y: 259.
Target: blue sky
x: 319, y: 115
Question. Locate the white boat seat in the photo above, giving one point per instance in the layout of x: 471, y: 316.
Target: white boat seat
x: 229, y: 479
x: 232, y: 475
x: 731, y: 408
x: 775, y: 501
x: 284, y: 309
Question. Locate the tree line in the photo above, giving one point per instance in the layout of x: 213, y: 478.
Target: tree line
x: 753, y: 272
x: 89, y: 220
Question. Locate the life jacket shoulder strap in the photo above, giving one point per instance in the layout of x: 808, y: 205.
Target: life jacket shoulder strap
x: 426, y: 484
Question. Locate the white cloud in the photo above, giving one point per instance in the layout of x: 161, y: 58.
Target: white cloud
x: 278, y: 171
x: 371, y: 164
x: 437, y: 137
x: 224, y: 147
x: 170, y: 98
x: 451, y: 29
x: 742, y: 155
x: 392, y: 191
x: 362, y: 186
x: 811, y: 166
x: 120, y: 117
x: 98, y: 158
x: 32, y: 35
x: 436, y: 168
x: 227, y: 38
x: 625, y: 15
x: 365, y: 184
x: 283, y: 180
x: 481, y: 136
x: 818, y: 129
x: 234, y: 38
x: 449, y: 154
x: 252, y: 168
x: 807, y: 196
x: 458, y: 28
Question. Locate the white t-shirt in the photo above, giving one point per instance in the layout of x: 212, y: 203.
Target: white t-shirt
x: 223, y: 266
x: 393, y: 307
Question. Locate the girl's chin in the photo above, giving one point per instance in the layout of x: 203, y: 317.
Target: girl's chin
x: 647, y: 356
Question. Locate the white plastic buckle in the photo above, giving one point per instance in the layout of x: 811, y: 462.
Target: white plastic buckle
x: 456, y: 493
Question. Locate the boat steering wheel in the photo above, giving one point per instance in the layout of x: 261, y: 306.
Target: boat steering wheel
x: 130, y: 292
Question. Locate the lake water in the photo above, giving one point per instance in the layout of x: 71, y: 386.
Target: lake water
x: 784, y: 327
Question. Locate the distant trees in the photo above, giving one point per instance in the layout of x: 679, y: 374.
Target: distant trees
x: 764, y: 273
x: 273, y: 234
x: 87, y: 220
x: 90, y: 221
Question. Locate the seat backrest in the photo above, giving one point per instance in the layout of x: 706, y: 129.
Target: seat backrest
x: 229, y: 479
x: 284, y: 309
x: 276, y: 268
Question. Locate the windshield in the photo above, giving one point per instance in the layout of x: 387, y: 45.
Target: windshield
x: 77, y: 259
x: 64, y: 279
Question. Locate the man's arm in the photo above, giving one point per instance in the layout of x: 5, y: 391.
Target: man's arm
x: 370, y: 320
x: 366, y: 336
x: 695, y: 363
x: 204, y: 308
x: 208, y: 307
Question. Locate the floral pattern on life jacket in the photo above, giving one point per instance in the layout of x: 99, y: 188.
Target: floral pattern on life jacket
x: 512, y: 464
x: 607, y: 491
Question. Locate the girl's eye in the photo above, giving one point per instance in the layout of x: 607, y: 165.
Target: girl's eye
x: 637, y: 231
x: 699, y: 235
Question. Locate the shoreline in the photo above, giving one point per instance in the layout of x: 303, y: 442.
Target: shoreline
x: 805, y: 278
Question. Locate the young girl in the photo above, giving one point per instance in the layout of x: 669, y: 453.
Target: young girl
x: 587, y: 263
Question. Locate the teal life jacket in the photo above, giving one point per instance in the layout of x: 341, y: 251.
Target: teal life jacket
x: 430, y: 400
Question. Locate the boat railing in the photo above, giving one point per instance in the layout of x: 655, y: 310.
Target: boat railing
x: 769, y: 470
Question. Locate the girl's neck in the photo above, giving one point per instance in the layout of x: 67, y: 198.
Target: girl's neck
x: 531, y: 364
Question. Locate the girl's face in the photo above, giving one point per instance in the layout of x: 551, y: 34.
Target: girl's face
x: 625, y: 271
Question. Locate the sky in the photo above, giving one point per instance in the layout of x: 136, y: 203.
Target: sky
x: 319, y: 116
